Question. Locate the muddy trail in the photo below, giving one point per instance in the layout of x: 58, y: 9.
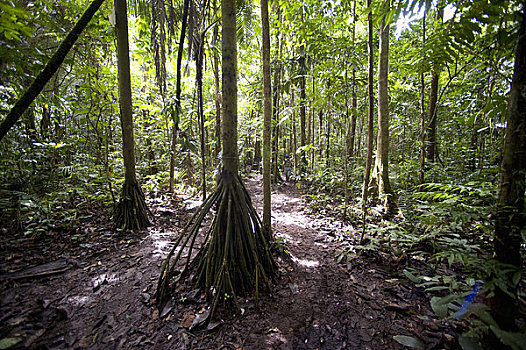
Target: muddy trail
x: 97, y: 293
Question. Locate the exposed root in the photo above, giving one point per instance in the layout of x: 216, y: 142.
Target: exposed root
x: 234, y: 259
x: 131, y: 212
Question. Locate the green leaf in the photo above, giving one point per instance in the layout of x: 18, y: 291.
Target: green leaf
x: 411, y: 342
x: 412, y: 277
x: 517, y: 341
x: 6, y: 343
x: 468, y: 343
x: 440, y: 305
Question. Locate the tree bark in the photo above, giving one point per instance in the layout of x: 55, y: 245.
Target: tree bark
x: 49, y: 70
x: 354, y: 104
x: 275, y: 108
x: 229, y: 88
x: 131, y: 212
x: 267, y: 119
x: 380, y: 181
x: 199, y: 78
x: 431, y: 142
x: 175, y: 131
x: 125, y: 95
x: 303, y: 70
x: 217, y: 97
x: 510, y: 217
x: 370, y: 112
x: 422, y: 111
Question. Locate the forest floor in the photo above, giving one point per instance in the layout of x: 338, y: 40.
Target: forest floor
x: 96, y: 291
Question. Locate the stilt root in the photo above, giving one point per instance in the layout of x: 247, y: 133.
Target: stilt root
x: 234, y: 257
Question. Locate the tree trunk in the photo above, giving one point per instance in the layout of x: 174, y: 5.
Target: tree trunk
x: 275, y: 109
x: 328, y: 120
x: 353, y: 92
x: 49, y: 70
x: 432, y: 117
x: 217, y: 96
x: 131, y: 212
x: 312, y: 123
x: 267, y: 119
x: 422, y: 111
x: 294, y: 131
x: 370, y: 113
x: 510, y: 217
x: 431, y: 142
x: 178, y: 93
x: 234, y: 259
x: 380, y: 181
x: 303, y: 71
x: 229, y: 88
x: 199, y: 78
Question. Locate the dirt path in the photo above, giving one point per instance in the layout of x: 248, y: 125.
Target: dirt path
x: 103, y: 299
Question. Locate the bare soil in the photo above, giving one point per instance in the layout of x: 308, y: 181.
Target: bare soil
x: 97, y: 292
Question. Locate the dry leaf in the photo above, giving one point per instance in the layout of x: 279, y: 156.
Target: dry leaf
x: 188, y: 318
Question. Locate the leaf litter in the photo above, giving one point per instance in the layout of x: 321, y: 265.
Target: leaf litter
x: 96, y: 293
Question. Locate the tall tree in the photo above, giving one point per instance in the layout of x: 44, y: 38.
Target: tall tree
x: 267, y: 119
x: 431, y: 131
x: 49, y: 70
x: 370, y: 109
x: 510, y: 217
x: 235, y: 256
x: 177, y: 113
x: 354, y: 104
x: 217, y: 92
x: 200, y: 107
x: 303, y: 109
x: 380, y: 181
x: 131, y: 212
x: 422, y: 108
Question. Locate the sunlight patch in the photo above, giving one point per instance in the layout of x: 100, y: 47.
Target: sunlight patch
x: 305, y: 262
x: 291, y: 219
x: 79, y: 300
x: 275, y: 337
x: 162, y: 242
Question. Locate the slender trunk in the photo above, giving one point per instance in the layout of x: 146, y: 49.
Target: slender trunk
x: 431, y: 142
x: 422, y: 110
x: 313, y: 121
x: 294, y: 131
x: 217, y: 95
x: 370, y: 116
x: 125, y: 95
x: 347, y: 147
x: 131, y: 212
x: 328, y: 137
x: 380, y: 179
x: 267, y: 119
x: 199, y: 77
x: 229, y: 89
x: 175, y: 130
x: 510, y: 217
x: 353, y: 91
x: 275, y: 108
x: 49, y: 70
x: 303, y: 70
x: 432, y: 117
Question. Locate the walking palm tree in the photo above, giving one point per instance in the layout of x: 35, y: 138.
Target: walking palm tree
x: 234, y: 258
x: 131, y: 212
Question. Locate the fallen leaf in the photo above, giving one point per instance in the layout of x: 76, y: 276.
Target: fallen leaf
x: 155, y: 314
x: 6, y: 343
x: 188, y: 319
x: 409, y: 341
x: 200, y: 319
